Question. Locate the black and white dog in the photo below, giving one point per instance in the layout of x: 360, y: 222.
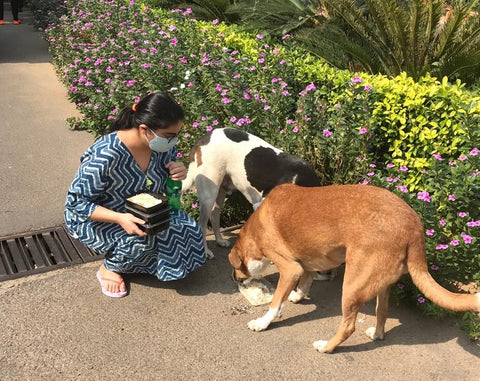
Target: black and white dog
x: 228, y: 159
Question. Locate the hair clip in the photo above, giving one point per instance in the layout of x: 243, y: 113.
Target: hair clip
x: 134, y: 107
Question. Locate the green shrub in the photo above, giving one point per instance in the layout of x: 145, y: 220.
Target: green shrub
x: 448, y: 204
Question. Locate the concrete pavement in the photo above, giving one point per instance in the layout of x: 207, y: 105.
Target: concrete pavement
x: 39, y: 154
x: 59, y: 326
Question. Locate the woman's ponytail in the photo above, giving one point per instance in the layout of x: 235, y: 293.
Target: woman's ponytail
x: 124, y: 120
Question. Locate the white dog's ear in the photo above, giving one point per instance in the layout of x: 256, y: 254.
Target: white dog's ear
x: 234, y: 259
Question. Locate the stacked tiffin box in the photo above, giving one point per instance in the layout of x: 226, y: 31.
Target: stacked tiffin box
x: 151, y: 207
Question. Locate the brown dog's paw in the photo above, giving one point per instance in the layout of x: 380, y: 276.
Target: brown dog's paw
x: 321, y: 346
x: 257, y: 325
x: 371, y: 333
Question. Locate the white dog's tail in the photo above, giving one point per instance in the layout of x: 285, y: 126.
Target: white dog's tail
x: 418, y: 269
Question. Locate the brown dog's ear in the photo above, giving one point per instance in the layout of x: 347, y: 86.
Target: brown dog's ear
x: 234, y: 259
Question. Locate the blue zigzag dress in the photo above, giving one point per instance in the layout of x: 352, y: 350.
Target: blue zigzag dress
x: 107, y: 175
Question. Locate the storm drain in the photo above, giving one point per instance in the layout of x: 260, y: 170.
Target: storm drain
x: 41, y: 251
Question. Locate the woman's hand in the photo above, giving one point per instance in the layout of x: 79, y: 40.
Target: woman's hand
x: 129, y: 223
x: 126, y: 220
x: 177, y: 170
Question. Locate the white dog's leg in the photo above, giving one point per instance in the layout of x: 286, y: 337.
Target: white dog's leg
x: 257, y: 204
x: 303, y: 288
x: 296, y: 296
x: 207, y: 191
x: 215, y: 219
x: 262, y: 323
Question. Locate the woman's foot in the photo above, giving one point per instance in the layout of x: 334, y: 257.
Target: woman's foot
x: 112, y: 283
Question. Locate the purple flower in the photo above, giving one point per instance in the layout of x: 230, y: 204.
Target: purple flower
x: 474, y: 152
x: 310, y: 87
x: 421, y: 300
x: 362, y: 131
x: 423, y: 196
x: 462, y: 158
x: 390, y: 165
x: 437, y: 156
x: 367, y: 87
x: 225, y: 100
x: 441, y: 247
x: 462, y: 214
x: 209, y: 128
x: 356, y: 79
x: 403, y: 168
x: 472, y: 224
x: 451, y: 197
x: 402, y: 188
x: 327, y: 133
x: 454, y: 242
x: 434, y: 267
x: 215, y: 22
x: 401, y: 286
x: 466, y: 238
x: 430, y: 232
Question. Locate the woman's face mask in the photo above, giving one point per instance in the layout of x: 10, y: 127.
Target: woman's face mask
x: 161, y: 144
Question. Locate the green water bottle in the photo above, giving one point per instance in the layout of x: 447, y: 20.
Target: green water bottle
x: 173, y: 190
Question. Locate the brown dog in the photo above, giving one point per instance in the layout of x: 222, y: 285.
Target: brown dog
x: 375, y: 233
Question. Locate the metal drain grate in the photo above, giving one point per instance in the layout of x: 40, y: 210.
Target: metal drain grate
x: 41, y: 251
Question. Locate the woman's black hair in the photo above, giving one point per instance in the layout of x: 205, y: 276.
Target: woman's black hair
x: 156, y: 111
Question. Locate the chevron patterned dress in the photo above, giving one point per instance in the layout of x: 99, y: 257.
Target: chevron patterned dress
x: 107, y: 175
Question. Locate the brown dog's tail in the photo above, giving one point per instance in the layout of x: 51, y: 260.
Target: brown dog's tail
x: 418, y: 269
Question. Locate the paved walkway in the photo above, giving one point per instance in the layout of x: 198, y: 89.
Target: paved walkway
x: 39, y: 154
x: 59, y: 326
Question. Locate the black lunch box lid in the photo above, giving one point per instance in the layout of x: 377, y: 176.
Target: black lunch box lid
x: 155, y: 208
x: 151, y: 218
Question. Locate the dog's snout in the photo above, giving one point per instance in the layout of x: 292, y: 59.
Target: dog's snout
x: 236, y: 278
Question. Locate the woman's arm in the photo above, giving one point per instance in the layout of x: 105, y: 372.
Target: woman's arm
x: 126, y: 220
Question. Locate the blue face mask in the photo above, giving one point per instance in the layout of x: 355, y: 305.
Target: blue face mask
x: 161, y: 144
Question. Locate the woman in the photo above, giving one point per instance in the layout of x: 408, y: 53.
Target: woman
x: 138, y: 154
